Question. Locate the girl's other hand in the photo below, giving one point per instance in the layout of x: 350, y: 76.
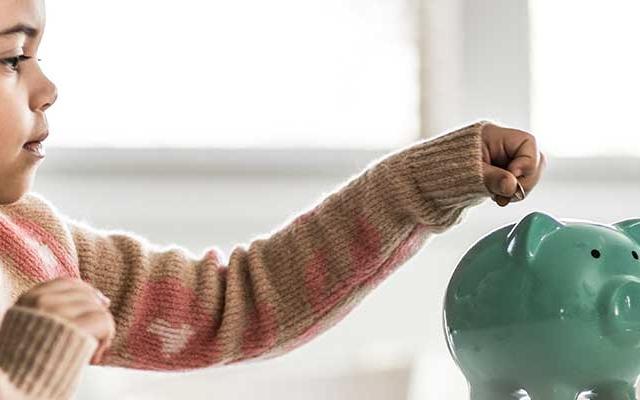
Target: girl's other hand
x: 79, y: 303
x: 510, y: 156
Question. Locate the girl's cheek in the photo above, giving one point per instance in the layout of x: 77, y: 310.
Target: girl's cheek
x: 16, y: 120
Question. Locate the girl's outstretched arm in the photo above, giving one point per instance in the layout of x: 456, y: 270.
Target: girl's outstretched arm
x: 174, y: 311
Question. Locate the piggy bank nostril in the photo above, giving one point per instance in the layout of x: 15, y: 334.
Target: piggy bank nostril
x: 623, y: 323
x: 623, y: 307
x: 635, y: 254
x: 626, y: 302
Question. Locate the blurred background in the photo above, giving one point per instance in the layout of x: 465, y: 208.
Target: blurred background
x: 209, y: 123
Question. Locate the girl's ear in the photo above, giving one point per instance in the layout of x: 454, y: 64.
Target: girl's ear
x: 631, y: 227
x: 523, y: 241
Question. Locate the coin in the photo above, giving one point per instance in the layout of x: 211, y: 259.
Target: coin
x: 520, y: 193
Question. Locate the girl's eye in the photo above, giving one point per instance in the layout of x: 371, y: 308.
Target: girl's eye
x: 13, y: 62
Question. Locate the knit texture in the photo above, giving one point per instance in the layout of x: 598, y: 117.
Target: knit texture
x: 42, y: 354
x: 174, y: 311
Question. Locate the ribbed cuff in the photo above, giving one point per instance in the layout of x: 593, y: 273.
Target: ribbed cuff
x: 442, y: 176
x: 43, y: 355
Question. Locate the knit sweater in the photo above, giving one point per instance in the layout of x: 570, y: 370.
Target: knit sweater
x: 176, y: 312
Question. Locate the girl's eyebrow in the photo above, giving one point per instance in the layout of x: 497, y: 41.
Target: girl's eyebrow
x: 21, y: 28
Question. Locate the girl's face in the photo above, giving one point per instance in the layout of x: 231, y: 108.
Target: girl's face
x: 25, y: 94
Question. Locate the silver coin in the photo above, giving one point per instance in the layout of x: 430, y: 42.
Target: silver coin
x: 520, y: 193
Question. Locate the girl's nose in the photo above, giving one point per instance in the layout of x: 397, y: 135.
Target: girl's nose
x: 55, y: 97
x: 44, y: 93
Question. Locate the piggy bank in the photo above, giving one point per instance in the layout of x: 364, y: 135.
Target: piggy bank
x: 548, y: 309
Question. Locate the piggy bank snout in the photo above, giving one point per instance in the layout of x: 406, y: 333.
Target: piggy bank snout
x: 620, y: 302
x: 626, y: 301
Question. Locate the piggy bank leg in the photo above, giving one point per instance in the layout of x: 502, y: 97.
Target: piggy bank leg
x: 553, y: 392
x: 492, y: 391
x: 615, y: 391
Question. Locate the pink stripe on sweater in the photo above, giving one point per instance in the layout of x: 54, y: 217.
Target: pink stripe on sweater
x: 315, y: 280
x: 405, y: 250
x: 365, y: 247
x: 318, y: 328
x: 69, y: 266
x: 171, y: 329
x: 15, y: 238
x: 261, y: 332
x: 401, y: 254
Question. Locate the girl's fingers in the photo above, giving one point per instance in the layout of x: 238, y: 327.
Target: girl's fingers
x: 499, y: 182
x: 99, y: 353
x: 57, y: 285
x: 102, y: 327
x: 514, y: 151
x: 523, y: 153
x: 501, y: 201
x: 527, y: 161
x: 79, y: 303
x: 60, y: 300
x: 530, y: 181
x: 99, y: 324
x: 56, y: 291
x: 71, y: 309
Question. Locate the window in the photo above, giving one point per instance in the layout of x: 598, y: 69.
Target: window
x: 586, y: 77
x: 279, y: 73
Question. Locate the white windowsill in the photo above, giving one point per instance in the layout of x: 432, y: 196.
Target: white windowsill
x: 282, y: 162
x: 207, y: 161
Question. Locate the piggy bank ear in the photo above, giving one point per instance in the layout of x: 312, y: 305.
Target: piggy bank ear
x: 525, y: 238
x: 631, y: 227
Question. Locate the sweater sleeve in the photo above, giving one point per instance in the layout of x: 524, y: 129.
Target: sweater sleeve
x: 175, y: 311
x: 41, y: 356
x: 8, y: 389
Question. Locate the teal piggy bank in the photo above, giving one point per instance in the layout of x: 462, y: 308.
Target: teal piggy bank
x: 548, y: 309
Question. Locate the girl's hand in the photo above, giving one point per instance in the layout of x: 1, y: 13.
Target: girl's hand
x: 510, y: 156
x: 79, y: 303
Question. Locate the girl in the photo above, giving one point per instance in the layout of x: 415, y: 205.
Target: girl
x: 169, y: 311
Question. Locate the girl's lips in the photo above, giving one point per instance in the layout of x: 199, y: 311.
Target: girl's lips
x: 35, y: 148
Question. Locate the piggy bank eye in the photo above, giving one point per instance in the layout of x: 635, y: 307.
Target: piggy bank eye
x: 595, y: 253
x: 634, y: 254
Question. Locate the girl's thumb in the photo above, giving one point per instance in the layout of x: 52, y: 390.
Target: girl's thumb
x: 499, y: 181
